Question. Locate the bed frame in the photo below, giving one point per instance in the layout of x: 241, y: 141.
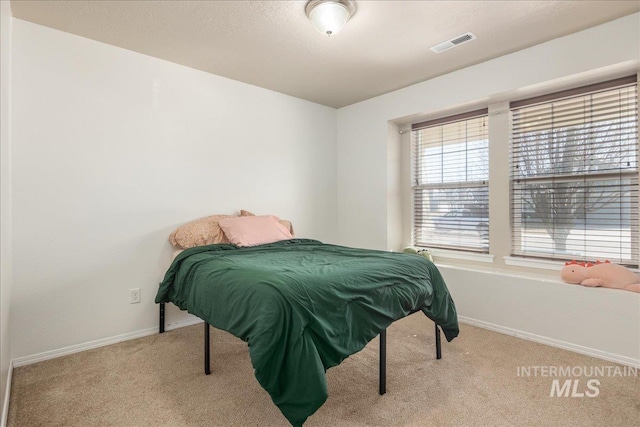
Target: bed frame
x: 383, y: 350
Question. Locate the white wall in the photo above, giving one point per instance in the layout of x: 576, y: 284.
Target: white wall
x: 395, y: 180
x: 599, y: 322
x: 365, y: 168
x: 112, y: 150
x: 5, y: 198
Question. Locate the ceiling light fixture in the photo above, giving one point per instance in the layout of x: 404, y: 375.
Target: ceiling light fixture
x: 329, y: 16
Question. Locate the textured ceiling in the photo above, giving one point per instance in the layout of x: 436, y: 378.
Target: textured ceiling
x: 271, y: 44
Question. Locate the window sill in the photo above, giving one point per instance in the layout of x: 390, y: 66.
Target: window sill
x: 534, y: 263
x: 543, y: 264
x: 467, y: 256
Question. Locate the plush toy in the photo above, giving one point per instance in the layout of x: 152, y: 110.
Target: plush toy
x: 413, y: 250
x: 605, y: 274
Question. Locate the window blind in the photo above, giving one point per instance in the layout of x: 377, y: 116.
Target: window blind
x: 574, y: 172
x: 451, y: 182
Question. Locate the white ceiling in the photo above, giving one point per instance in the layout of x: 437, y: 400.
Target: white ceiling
x: 271, y: 44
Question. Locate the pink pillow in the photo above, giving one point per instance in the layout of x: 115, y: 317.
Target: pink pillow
x: 284, y: 222
x: 254, y: 230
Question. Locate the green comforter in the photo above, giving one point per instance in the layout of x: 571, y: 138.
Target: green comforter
x: 304, y: 306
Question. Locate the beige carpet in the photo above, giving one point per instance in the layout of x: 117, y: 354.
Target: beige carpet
x: 159, y: 381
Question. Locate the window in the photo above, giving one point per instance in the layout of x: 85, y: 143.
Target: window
x: 574, y: 174
x: 451, y: 182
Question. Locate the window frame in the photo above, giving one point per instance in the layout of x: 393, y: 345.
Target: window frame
x: 415, y: 186
x: 516, y: 227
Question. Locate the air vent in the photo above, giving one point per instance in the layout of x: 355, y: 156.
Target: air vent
x: 456, y: 41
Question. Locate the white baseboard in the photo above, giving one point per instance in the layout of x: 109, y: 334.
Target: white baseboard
x: 7, y: 397
x: 611, y: 357
x: 52, y: 354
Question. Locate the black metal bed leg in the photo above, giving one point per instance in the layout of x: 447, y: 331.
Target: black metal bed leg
x: 161, y: 317
x: 207, y: 352
x: 438, y: 344
x: 383, y: 362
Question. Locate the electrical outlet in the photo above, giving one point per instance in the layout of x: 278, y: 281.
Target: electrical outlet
x: 134, y: 296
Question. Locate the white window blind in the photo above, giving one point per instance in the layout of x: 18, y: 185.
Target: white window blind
x: 451, y: 182
x: 574, y: 169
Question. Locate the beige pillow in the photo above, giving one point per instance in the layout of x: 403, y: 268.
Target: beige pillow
x: 284, y: 222
x: 201, y: 232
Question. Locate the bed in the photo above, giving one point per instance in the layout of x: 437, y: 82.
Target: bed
x: 303, y: 307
